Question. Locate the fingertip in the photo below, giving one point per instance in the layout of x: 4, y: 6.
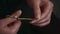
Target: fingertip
x: 34, y: 20
x: 20, y: 11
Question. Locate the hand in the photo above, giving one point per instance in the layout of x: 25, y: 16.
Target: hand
x: 42, y: 11
x: 10, y: 25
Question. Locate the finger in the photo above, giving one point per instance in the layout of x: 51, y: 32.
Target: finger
x: 46, y: 20
x: 8, y: 20
x: 18, y: 13
x: 47, y: 8
x: 37, y: 13
x: 47, y: 17
x: 42, y: 24
x: 15, y: 27
x: 45, y: 23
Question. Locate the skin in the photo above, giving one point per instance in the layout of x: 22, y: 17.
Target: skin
x: 42, y: 18
x: 10, y: 25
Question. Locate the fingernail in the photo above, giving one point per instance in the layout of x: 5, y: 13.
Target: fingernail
x: 33, y: 21
x: 20, y: 11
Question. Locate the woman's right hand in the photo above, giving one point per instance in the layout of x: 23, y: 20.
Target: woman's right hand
x: 10, y: 25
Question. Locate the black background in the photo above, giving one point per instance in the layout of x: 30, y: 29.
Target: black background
x: 56, y: 10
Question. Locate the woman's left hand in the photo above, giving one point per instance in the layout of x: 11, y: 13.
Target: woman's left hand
x: 42, y: 11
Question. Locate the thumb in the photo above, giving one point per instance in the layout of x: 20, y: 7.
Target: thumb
x: 37, y: 13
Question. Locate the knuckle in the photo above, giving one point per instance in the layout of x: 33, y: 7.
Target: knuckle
x: 51, y: 4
